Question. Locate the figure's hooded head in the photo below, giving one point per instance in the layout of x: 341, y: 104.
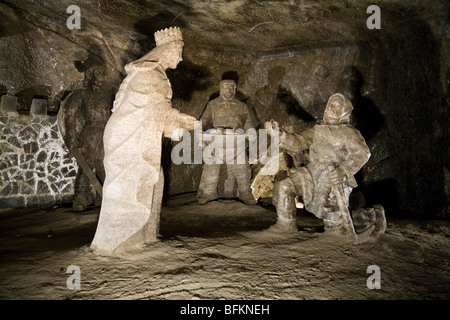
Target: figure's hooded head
x: 338, y: 110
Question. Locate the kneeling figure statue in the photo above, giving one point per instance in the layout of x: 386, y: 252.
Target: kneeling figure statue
x: 337, y: 151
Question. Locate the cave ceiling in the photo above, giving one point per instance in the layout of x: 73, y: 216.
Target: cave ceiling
x: 34, y: 37
x: 251, y: 25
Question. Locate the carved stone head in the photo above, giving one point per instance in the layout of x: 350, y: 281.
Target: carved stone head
x: 338, y: 110
x: 167, y: 53
x: 172, y: 41
x: 227, y: 89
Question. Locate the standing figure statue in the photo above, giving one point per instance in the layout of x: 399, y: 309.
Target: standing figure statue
x: 84, y: 117
x: 226, y: 115
x: 142, y: 115
x: 337, y: 151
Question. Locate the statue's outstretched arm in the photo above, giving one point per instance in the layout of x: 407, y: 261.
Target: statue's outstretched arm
x: 296, y: 142
x: 176, y: 120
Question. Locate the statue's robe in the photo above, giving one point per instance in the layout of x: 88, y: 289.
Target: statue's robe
x: 133, y: 187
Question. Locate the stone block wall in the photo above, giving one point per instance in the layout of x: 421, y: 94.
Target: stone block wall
x: 34, y: 169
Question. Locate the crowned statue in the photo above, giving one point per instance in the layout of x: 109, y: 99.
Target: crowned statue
x: 142, y: 114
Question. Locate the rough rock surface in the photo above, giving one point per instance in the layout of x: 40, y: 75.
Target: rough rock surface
x: 215, y: 252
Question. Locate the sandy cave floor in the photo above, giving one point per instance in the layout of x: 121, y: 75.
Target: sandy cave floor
x: 217, y: 251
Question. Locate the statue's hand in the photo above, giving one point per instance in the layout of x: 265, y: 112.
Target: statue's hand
x: 177, y: 134
x: 337, y: 176
x: 186, y: 121
x: 271, y: 127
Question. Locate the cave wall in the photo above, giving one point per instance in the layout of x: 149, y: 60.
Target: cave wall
x: 42, y: 58
x: 399, y: 80
x: 38, y: 63
x: 416, y: 124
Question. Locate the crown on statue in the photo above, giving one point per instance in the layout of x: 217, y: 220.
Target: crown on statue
x: 168, y: 35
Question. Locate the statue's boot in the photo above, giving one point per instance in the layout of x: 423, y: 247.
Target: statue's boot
x: 337, y: 227
x: 380, y: 223
x: 247, y: 198
x: 284, y: 226
x: 79, y: 203
x: 205, y: 198
x: 286, y: 217
x: 282, y: 229
x: 366, y: 218
x: 82, y: 195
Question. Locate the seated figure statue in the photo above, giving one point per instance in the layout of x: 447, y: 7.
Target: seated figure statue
x: 337, y: 151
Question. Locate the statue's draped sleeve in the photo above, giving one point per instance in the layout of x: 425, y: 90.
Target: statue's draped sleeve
x: 358, y: 153
x: 133, y: 136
